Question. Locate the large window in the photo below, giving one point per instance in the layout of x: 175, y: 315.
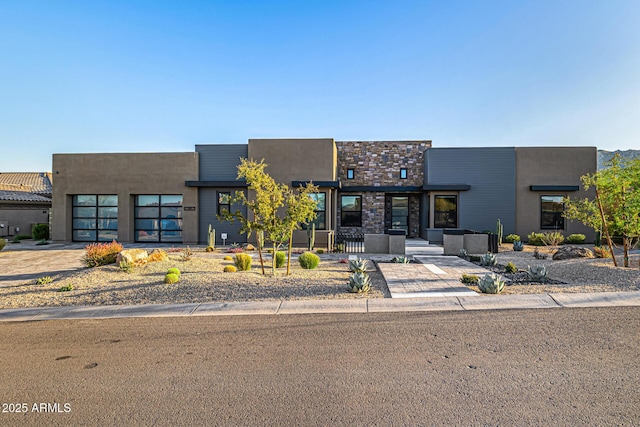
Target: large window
x: 321, y: 210
x: 551, y: 210
x: 351, y: 211
x: 445, y: 213
x: 158, y: 218
x: 95, y: 218
x: 224, y: 202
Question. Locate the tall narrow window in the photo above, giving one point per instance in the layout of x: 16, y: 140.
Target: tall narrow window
x: 403, y: 173
x: 95, y: 218
x: 551, y: 210
x: 350, y: 174
x: 445, y: 213
x: 224, y: 202
x: 321, y: 210
x: 158, y: 218
x: 351, y: 211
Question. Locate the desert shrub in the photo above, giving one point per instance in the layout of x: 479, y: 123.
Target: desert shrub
x: 186, y: 254
x: 576, y: 238
x: 157, y: 255
x: 535, y: 239
x: 281, y: 258
x: 42, y: 242
x: 510, y: 268
x: 66, y: 288
x: 3, y: 243
x: 19, y: 237
x: 101, y: 253
x: 44, y: 280
x: 174, y: 270
x: 126, y: 266
x: 552, y: 238
x: 228, y: 258
x: 234, y: 250
x: 40, y: 231
x: 601, y: 252
x: 309, y: 260
x: 512, y: 238
x: 470, y: 279
x: 171, y: 278
x: 229, y: 269
x: 319, y: 251
x: 243, y: 262
x: 475, y: 258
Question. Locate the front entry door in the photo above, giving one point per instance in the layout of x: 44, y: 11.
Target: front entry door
x: 400, y: 213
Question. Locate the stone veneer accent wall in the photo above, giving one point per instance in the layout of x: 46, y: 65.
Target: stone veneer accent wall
x: 378, y: 163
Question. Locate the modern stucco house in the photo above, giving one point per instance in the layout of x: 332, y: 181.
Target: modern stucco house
x: 364, y: 187
x: 25, y: 200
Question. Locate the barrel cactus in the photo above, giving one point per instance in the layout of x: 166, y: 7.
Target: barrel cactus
x: 359, y: 282
x: 518, y: 245
x: 491, y: 284
x: 488, y: 259
x: 537, y: 273
x: 358, y: 265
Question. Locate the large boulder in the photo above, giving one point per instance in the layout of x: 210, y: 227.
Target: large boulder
x: 132, y: 256
x: 570, y: 252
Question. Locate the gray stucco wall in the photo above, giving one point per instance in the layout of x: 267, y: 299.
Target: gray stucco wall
x: 218, y: 162
x: 208, y: 198
x: 491, y: 173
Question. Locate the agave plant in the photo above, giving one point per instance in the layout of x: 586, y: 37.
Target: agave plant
x: 491, y: 284
x: 518, y: 245
x: 401, y: 260
x: 358, y: 265
x: 488, y: 259
x: 359, y: 282
x: 462, y: 253
x: 537, y: 273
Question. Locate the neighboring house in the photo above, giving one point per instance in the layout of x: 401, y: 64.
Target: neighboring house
x: 364, y: 187
x: 25, y: 200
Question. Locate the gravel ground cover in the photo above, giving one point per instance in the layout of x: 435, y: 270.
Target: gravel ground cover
x: 202, y: 280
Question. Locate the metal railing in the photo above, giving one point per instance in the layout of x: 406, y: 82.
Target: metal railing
x: 349, y: 242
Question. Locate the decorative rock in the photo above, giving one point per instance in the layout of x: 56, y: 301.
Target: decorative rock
x: 250, y: 247
x: 132, y: 256
x: 570, y: 252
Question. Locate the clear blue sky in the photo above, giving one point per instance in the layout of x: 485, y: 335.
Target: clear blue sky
x: 139, y: 76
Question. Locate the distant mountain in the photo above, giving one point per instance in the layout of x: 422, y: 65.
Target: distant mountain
x: 604, y: 155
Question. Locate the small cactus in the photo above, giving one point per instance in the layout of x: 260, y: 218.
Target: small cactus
x: 491, y: 284
x: 359, y: 282
x: 171, y: 278
x: 488, y: 260
x: 510, y: 268
x: 173, y: 270
x: 358, y: 265
x: 518, y: 245
x: 229, y: 269
x: 537, y: 273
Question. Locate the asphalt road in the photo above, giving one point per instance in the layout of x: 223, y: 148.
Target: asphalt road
x: 521, y: 367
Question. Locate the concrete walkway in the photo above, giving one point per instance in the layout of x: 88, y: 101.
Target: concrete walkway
x: 377, y: 305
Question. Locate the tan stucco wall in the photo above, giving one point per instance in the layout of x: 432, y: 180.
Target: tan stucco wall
x: 22, y: 216
x: 124, y: 174
x: 550, y: 166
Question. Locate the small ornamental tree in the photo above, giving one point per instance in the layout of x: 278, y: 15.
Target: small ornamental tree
x: 616, y: 208
x: 300, y: 210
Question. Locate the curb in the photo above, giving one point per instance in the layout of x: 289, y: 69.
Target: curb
x: 362, y: 306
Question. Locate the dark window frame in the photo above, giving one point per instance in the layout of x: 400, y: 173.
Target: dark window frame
x: 436, y: 213
x: 555, y: 214
x: 322, y: 211
x: 96, y: 207
x: 220, y: 206
x: 160, y: 219
x: 350, y: 223
x: 350, y: 173
x: 403, y: 173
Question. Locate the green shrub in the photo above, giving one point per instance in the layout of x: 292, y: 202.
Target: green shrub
x: 512, y: 238
x: 510, y: 268
x: 126, y: 266
x: 243, y: 262
x: 174, y: 270
x: 42, y: 242
x: 601, y: 252
x: 281, y: 258
x: 319, y: 251
x: 171, y: 278
x: 3, y: 243
x: 19, y: 237
x: 552, y: 238
x: 45, y: 280
x: 309, y: 260
x: 470, y: 279
x: 535, y: 239
x: 576, y: 238
x: 229, y: 269
x: 66, y: 288
x: 40, y: 232
x: 101, y: 253
x: 475, y: 258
